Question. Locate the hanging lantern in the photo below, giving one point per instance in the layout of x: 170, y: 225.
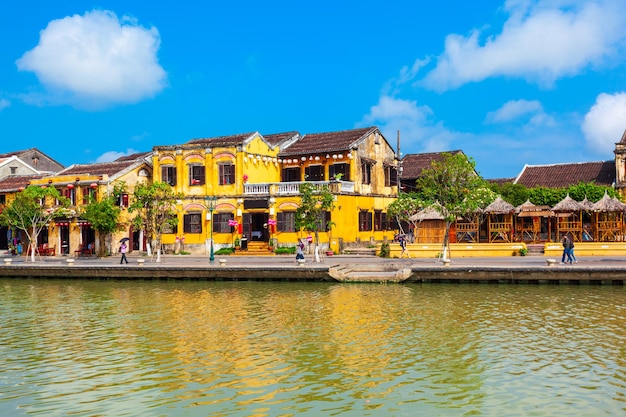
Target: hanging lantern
x: 70, y: 186
x: 303, y: 158
x: 317, y: 158
x: 93, y: 185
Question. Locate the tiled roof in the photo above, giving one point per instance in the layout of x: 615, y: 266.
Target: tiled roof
x: 14, y: 182
x: 278, y: 138
x: 105, y: 168
x: 223, y: 140
x: 500, y: 181
x: 413, y: 164
x: 14, y: 153
x: 327, y: 142
x: 563, y: 175
x: 133, y: 157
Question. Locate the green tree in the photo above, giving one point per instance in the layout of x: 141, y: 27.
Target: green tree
x: 453, y: 183
x: 104, y: 216
x: 31, y: 211
x: 405, y: 206
x: 155, y: 208
x: 315, y: 201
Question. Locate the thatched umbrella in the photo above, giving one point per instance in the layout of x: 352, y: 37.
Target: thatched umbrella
x: 588, y: 205
x: 609, y: 218
x: 500, y: 220
x: 569, y: 216
x: 499, y: 206
x: 432, y: 212
x: 608, y: 204
x: 568, y: 205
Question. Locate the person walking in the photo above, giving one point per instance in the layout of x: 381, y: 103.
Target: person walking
x: 571, y: 251
x: 123, y: 250
x: 567, y: 251
x: 402, y: 240
x: 300, y: 250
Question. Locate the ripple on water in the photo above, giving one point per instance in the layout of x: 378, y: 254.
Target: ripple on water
x: 240, y: 349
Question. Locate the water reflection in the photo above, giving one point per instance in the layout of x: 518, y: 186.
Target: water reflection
x: 265, y: 349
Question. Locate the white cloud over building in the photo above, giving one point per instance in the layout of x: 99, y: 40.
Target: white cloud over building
x: 95, y: 60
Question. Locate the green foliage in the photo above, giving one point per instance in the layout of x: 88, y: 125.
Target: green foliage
x: 523, y: 251
x: 225, y: 251
x: 285, y: 250
x: 155, y: 208
x: 384, y: 250
x: 405, y: 206
x: 104, y: 216
x: 33, y: 208
x: 314, y: 201
x: 453, y: 183
x: 517, y: 194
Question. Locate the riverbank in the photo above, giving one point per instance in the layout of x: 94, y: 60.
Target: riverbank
x: 606, y: 270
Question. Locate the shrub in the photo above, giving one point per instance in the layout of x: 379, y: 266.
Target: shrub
x: 285, y: 250
x: 225, y: 251
x: 384, y: 250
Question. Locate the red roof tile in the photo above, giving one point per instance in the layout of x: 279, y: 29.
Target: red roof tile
x: 564, y: 175
x: 222, y: 140
x: 14, y: 182
x: 327, y: 142
x: 105, y: 168
x: 413, y: 164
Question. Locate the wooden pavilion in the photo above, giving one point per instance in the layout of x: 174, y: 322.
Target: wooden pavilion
x: 569, y: 218
x: 499, y: 220
x: 532, y: 223
x: 609, y: 219
x: 429, y: 225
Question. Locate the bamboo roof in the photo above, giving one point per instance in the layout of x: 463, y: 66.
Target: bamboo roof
x: 588, y: 205
x: 568, y: 205
x: 607, y: 203
x: 529, y: 209
x: 499, y: 206
x: 432, y: 212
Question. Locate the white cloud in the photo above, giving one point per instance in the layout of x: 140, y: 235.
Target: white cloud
x: 605, y: 122
x: 514, y: 109
x: 113, y: 155
x: 528, y: 111
x: 541, y: 42
x: 96, y: 60
x: 4, y: 103
x: 418, y: 131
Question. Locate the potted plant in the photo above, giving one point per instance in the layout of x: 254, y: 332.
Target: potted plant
x: 237, y: 243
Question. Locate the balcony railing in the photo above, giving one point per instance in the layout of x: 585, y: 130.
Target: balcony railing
x: 293, y: 188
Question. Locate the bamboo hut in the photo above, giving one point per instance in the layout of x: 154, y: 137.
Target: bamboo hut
x: 500, y: 220
x: 430, y: 225
x: 609, y: 219
x: 569, y: 218
x: 588, y: 234
x: 468, y: 229
x: 532, y: 222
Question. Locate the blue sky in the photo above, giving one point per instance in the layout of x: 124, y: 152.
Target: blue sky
x: 508, y: 82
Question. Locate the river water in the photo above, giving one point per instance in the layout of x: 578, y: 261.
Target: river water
x: 96, y: 348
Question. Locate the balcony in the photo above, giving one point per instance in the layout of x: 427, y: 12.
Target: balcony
x: 293, y: 188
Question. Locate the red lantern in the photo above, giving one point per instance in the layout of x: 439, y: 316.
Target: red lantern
x: 93, y: 185
x: 70, y: 186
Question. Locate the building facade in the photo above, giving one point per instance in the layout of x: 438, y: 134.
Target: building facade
x: 247, y: 187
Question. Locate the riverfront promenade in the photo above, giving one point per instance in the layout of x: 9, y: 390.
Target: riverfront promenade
x: 607, y: 270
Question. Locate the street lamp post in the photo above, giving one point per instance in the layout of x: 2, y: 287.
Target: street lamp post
x: 210, y: 203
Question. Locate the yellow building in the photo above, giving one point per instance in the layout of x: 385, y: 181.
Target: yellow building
x: 248, y: 185
x: 71, y: 235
